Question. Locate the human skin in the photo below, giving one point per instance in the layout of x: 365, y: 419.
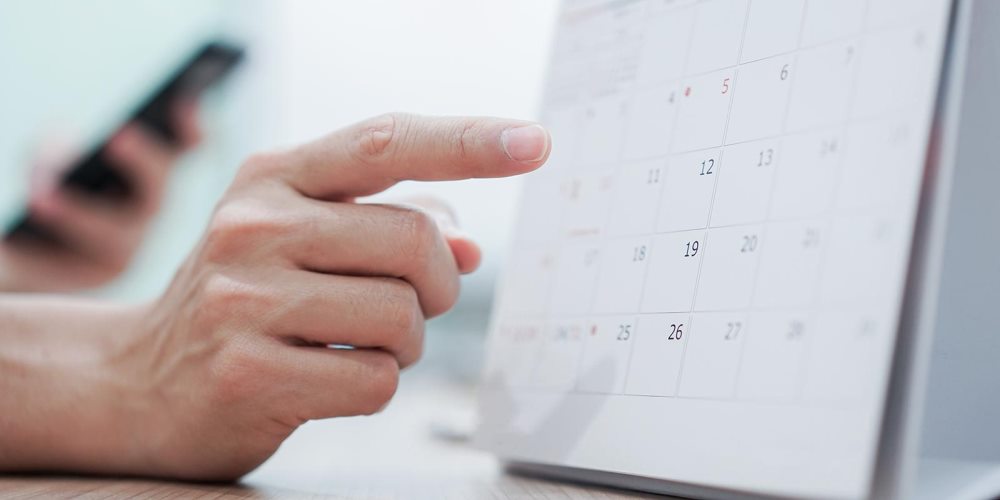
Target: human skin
x: 206, y: 381
x: 96, y: 238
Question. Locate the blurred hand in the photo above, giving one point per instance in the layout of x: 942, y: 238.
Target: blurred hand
x: 213, y: 376
x: 97, y: 238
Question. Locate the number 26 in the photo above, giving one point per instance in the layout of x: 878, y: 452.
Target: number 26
x: 676, y: 331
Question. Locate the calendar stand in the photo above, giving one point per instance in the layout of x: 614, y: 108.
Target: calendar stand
x: 945, y: 404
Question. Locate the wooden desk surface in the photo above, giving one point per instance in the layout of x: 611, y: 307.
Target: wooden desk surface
x: 408, y: 451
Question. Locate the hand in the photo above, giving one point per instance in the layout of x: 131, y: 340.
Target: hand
x: 212, y: 377
x: 97, y: 238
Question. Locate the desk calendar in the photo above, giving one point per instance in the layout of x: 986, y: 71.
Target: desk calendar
x: 723, y: 281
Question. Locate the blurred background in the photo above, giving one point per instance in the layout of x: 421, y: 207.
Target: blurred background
x: 78, y: 68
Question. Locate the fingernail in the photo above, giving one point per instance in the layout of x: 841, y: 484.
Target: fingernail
x: 445, y: 223
x: 526, y: 144
x: 456, y: 233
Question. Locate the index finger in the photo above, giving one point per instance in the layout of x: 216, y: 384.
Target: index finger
x: 373, y: 155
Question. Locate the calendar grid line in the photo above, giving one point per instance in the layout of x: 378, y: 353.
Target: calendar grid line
x: 748, y: 336
x: 829, y: 126
x: 759, y: 401
x: 798, y: 233
x: 736, y: 74
x: 743, y: 36
x: 725, y: 168
x: 693, y: 76
x: 610, y: 211
x: 684, y: 348
x: 658, y: 205
x: 821, y: 278
x: 715, y: 190
x: 797, y: 393
x: 687, y: 53
x: 697, y: 280
x: 784, y: 308
x: 753, y: 291
x: 802, y: 27
x: 722, y: 165
x: 607, y: 220
x: 846, y: 214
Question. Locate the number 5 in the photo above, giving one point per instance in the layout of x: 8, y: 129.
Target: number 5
x: 725, y: 86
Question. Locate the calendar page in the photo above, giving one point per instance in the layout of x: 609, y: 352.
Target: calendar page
x: 707, y: 277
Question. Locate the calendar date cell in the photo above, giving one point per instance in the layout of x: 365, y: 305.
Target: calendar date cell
x: 712, y: 358
x: 656, y: 356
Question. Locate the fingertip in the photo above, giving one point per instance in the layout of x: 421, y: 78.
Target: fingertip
x: 528, y: 145
x: 468, y: 255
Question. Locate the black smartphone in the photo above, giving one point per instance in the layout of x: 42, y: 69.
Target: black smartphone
x: 98, y: 177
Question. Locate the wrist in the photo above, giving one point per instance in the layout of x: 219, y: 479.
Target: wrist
x: 64, y: 402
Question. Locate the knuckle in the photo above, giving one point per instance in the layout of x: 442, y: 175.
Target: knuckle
x: 238, y: 225
x: 238, y: 373
x: 421, y: 233
x: 403, y: 310
x: 466, y: 138
x: 403, y: 322
x: 259, y: 165
x: 383, y: 381
x: 222, y: 295
x: 415, y: 350
x: 376, y: 136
